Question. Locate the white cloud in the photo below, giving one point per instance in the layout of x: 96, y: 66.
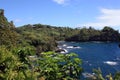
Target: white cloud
x: 61, y: 1
x: 108, y: 17
x: 17, y: 20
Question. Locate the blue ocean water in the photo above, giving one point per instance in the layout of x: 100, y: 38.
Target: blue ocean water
x: 103, y: 55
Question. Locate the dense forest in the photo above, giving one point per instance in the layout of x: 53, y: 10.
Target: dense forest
x: 44, y: 37
x: 28, y: 52
x: 91, y: 34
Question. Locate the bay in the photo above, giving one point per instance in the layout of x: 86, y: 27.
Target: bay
x: 94, y: 55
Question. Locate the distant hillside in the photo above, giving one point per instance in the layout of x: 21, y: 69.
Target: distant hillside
x: 44, y: 37
x: 69, y: 34
x: 57, y: 33
x: 91, y: 34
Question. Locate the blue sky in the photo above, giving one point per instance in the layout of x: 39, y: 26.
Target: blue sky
x: 72, y: 13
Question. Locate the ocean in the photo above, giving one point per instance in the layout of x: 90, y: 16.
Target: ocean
x: 94, y: 55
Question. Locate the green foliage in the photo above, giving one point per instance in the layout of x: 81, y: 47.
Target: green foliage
x: 13, y: 66
x: 8, y: 37
x: 109, y: 77
x: 3, y: 20
x: 117, y: 76
x: 18, y: 65
x: 90, y: 34
x: 109, y: 34
x: 54, y: 66
x: 99, y: 76
x: 44, y: 37
x: 8, y: 63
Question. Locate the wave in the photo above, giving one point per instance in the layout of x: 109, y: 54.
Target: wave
x: 64, y: 45
x: 111, y: 63
x: 71, y: 47
x: 88, y: 75
x: 64, y: 51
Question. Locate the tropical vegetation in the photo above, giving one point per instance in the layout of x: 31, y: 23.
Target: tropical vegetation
x: 28, y: 52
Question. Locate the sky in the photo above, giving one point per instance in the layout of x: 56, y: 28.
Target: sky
x: 68, y: 13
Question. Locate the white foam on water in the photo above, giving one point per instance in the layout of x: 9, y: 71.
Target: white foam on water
x: 64, y: 45
x: 112, y: 63
x: 64, y: 51
x: 88, y: 75
x: 69, y: 47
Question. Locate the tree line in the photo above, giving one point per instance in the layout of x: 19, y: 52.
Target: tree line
x: 91, y: 34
